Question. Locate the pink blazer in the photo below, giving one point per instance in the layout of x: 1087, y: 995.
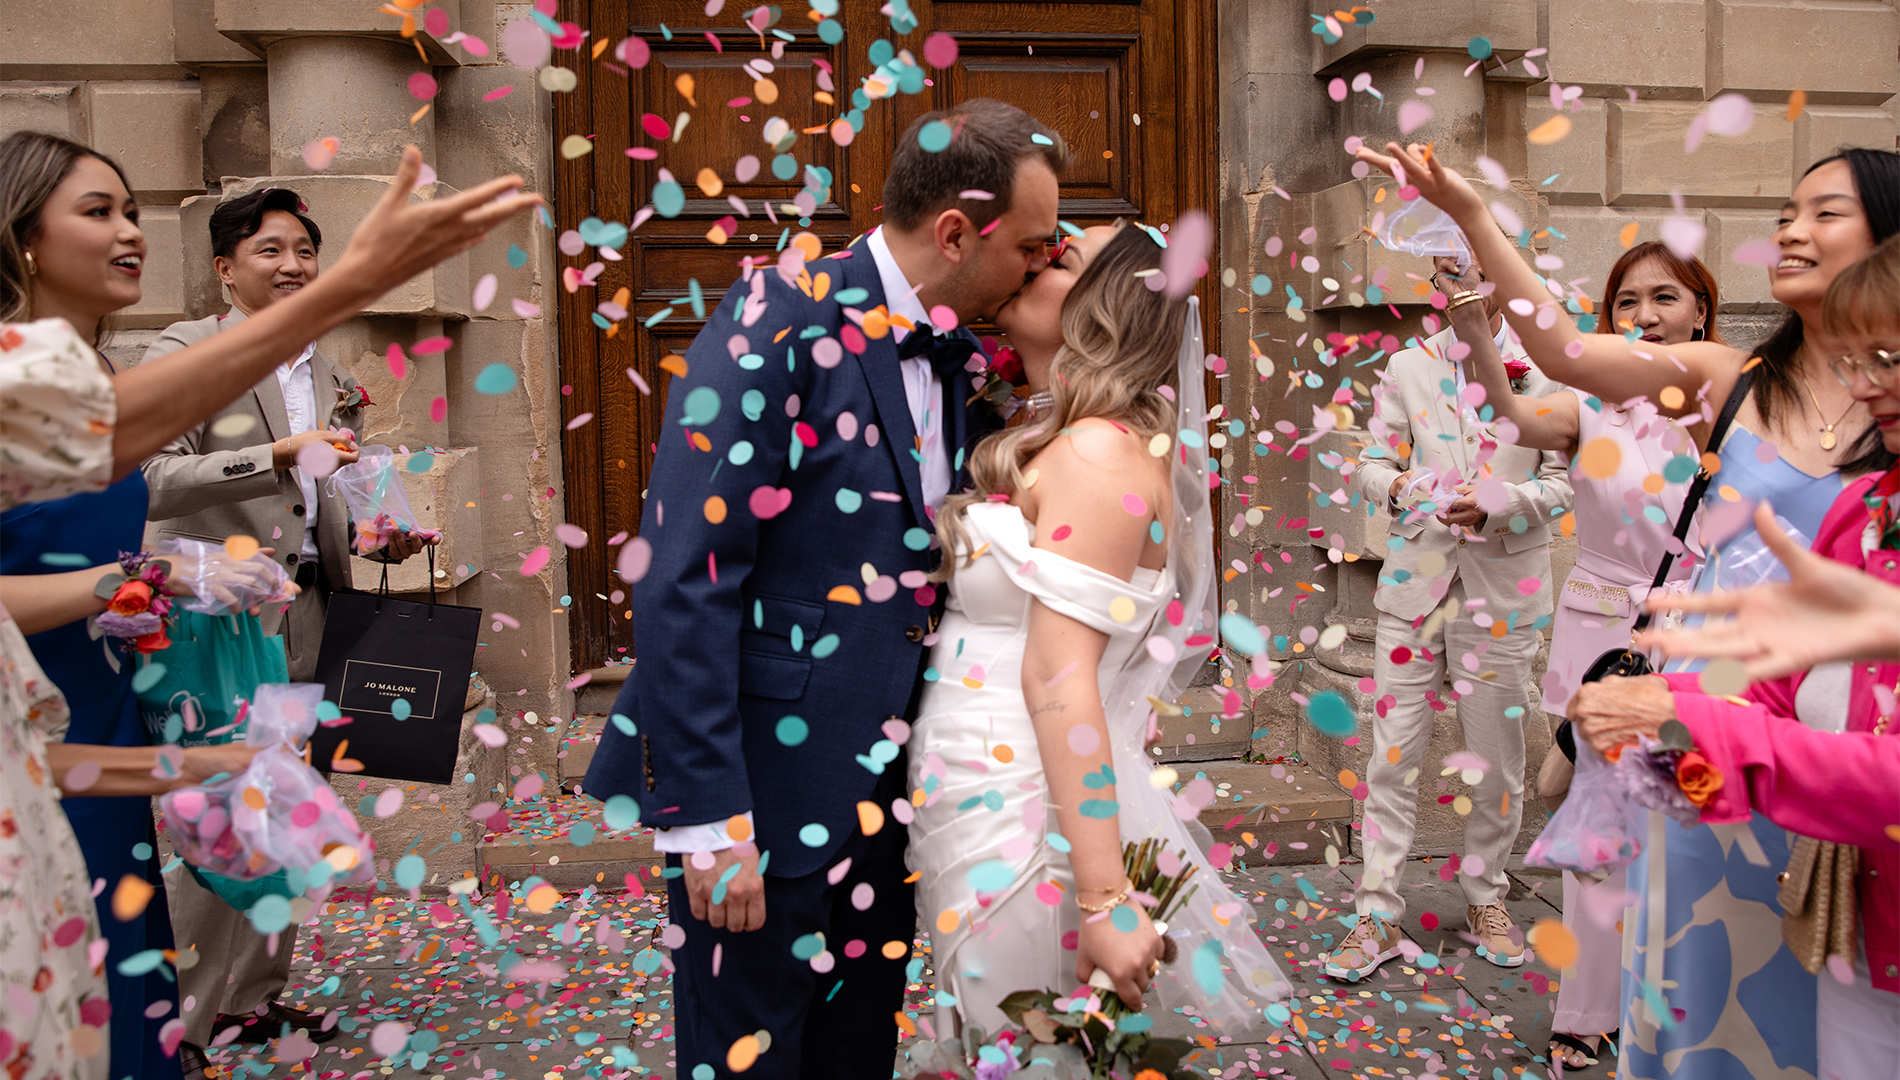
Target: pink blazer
x: 1841, y: 787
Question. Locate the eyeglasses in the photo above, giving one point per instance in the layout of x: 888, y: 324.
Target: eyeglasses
x: 1878, y: 365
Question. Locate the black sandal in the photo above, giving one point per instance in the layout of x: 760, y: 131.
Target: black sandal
x: 1572, y: 1042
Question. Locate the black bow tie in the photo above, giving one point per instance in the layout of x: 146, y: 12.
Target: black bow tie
x: 946, y: 354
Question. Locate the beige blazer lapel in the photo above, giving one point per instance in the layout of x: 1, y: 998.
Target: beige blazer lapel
x: 269, y: 396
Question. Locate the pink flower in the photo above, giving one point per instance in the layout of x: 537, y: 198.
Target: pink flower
x: 1007, y: 365
x: 1516, y: 369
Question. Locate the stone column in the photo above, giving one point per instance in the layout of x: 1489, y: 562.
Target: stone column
x: 352, y: 89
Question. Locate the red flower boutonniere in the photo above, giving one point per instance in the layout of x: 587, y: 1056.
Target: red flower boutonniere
x: 1698, y: 779
x: 1000, y: 379
x: 1518, y: 371
x: 351, y: 398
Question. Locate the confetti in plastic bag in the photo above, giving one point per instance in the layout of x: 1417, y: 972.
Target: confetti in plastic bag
x: 379, y: 507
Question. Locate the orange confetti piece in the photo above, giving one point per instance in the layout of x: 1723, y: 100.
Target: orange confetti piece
x: 543, y: 898
x: 1003, y: 754
x: 240, y: 546
x: 419, y: 114
x: 947, y: 921
x: 1600, y: 458
x: 1556, y: 946
x: 709, y: 182
x: 684, y: 84
x: 877, y: 323
x: 254, y: 798
x: 895, y: 950
x: 130, y: 897
x: 738, y: 828
x: 715, y: 509
x: 745, y: 1049
x: 870, y: 818
x: 1349, y: 779
x: 1627, y: 237
x: 820, y: 286
x: 340, y: 763
x: 601, y: 47
x: 903, y: 1022
x: 1550, y: 131
x: 1797, y: 100
x: 1671, y: 397
x: 674, y: 364
x: 845, y: 594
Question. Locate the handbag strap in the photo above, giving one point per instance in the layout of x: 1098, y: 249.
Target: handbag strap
x: 1699, y: 487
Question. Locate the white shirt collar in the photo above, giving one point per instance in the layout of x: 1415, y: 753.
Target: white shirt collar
x: 302, y: 358
x: 900, y: 296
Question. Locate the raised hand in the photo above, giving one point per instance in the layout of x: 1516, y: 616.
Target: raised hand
x: 1437, y: 184
x: 1824, y: 611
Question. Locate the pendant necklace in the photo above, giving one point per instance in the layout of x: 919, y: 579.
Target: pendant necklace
x: 1828, y: 439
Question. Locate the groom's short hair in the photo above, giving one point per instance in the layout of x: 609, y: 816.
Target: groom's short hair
x: 988, y: 142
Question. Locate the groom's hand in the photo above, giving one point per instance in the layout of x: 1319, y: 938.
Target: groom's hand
x: 741, y: 905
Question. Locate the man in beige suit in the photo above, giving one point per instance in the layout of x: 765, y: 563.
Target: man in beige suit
x: 1472, y: 519
x: 239, y: 474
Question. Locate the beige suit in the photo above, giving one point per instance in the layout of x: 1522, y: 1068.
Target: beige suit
x: 1418, y: 423
x: 209, y: 486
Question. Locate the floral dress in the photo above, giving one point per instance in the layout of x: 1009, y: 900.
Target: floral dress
x: 56, y: 414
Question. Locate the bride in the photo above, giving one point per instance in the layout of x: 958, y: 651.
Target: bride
x: 1081, y: 581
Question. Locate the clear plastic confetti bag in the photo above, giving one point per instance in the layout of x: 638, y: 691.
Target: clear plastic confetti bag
x: 1597, y: 829
x: 220, y: 584
x: 379, y: 507
x: 1419, y: 228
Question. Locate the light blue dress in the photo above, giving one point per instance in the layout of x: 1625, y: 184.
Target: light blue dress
x: 1740, y: 1006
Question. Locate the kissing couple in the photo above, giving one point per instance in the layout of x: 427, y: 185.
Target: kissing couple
x: 897, y: 660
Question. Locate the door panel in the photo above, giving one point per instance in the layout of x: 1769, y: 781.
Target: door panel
x: 1115, y: 77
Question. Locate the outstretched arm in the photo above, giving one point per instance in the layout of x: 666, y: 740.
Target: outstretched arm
x: 1543, y: 423
x: 1083, y: 479
x: 1824, y: 611
x: 1601, y: 364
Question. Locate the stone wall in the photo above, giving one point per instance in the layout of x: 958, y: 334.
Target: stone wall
x: 202, y: 98
x: 1293, y: 210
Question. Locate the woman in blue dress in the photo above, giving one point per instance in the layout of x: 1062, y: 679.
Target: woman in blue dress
x: 1710, y: 992
x: 116, y: 834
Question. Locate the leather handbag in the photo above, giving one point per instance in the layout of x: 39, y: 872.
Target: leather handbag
x: 1819, y: 905
x: 1558, y: 769
x: 1627, y: 661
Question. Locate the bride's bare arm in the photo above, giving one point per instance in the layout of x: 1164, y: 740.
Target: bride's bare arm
x: 1601, y: 364
x: 1081, y: 481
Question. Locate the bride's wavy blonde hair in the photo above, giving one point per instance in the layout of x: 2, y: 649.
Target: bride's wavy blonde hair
x: 1121, y: 343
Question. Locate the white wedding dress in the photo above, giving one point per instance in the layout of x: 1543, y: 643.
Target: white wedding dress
x: 980, y: 842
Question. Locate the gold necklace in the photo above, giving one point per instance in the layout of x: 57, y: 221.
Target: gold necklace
x: 1828, y: 440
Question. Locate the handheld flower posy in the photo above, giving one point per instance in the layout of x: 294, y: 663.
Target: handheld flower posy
x: 138, y: 603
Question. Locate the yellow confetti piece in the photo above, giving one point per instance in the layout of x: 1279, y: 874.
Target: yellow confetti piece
x: 870, y: 818
x: 715, y: 509
x: 1550, y: 131
x: 710, y: 184
x: 130, y: 897
x: 1556, y: 946
x: 745, y: 1049
x: 1600, y: 458
x: 1797, y: 100
x: 974, y: 684
x: 845, y: 594
x: 1030, y: 478
x: 1160, y: 445
x: 1627, y: 237
x: 1462, y: 804
x: 240, y: 547
x: 947, y: 921
x: 1121, y: 609
x: 575, y: 146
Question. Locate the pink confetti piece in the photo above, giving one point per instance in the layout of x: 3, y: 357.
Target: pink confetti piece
x: 436, y: 22
x: 526, y: 310
x: 1135, y: 504
x: 579, y: 421
x: 572, y: 535
x: 633, y: 52
x: 638, y: 382
x: 536, y: 561
x: 438, y: 410
x: 484, y: 292
x: 477, y: 47
x: 318, y: 153
x: 498, y: 92
x: 422, y: 86
x: 940, y: 50
x: 635, y: 559
x: 1412, y: 116
x: 398, y: 363
x: 431, y: 345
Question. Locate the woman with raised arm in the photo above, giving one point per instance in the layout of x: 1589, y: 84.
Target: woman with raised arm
x: 1797, y: 437
x: 1625, y: 517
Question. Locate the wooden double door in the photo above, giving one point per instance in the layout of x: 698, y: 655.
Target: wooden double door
x: 1129, y: 85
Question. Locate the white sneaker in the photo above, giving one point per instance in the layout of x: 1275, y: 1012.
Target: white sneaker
x: 1492, y: 926
x: 1372, y: 942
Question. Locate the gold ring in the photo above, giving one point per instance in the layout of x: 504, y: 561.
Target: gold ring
x: 1154, y: 969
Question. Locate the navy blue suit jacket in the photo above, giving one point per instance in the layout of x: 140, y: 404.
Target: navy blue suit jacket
x: 736, y: 624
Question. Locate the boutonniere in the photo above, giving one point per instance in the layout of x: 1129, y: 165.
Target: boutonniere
x: 1001, y: 376
x: 1519, y: 371
x: 138, y: 603
x: 351, y: 398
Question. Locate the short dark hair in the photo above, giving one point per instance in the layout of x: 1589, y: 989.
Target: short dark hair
x: 988, y: 141
x: 240, y: 218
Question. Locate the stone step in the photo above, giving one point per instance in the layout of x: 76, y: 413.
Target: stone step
x: 602, y: 686
x: 537, y: 843
x: 1283, y: 812
x: 578, y: 738
x: 1202, y: 732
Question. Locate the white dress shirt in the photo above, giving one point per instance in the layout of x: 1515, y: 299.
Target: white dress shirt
x: 297, y: 383
x: 924, y: 393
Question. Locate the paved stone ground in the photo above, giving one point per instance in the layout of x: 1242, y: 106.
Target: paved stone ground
x: 423, y: 965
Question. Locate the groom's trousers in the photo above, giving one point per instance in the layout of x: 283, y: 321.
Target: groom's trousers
x: 836, y: 1024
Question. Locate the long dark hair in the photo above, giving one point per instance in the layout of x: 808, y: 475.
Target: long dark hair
x: 32, y: 165
x: 1777, y: 378
x: 1690, y: 273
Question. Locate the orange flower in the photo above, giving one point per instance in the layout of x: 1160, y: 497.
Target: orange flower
x: 131, y: 598
x: 152, y: 642
x: 1149, y: 1074
x: 1698, y: 779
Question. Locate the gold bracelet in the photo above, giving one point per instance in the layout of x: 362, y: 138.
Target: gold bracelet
x: 1469, y: 296
x: 1108, y: 905
x: 1117, y: 887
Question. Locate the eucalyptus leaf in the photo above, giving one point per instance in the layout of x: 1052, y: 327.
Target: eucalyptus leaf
x: 108, y: 585
x: 1674, y: 735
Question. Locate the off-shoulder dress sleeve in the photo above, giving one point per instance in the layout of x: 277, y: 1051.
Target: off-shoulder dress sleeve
x: 57, y: 409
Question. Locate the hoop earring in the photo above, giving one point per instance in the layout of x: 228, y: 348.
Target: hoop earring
x: 32, y: 267
x: 1698, y: 335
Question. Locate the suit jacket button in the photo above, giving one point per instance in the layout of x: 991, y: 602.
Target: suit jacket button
x: 1461, y: 541
x: 297, y: 509
x: 914, y: 634
x: 291, y: 559
x: 227, y: 470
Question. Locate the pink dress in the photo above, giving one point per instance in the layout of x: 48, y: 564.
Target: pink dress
x: 1623, y: 531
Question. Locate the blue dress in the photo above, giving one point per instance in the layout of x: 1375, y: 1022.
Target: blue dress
x: 116, y: 834
x: 1739, y: 1005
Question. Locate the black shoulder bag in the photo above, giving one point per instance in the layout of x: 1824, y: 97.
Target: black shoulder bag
x: 1627, y: 661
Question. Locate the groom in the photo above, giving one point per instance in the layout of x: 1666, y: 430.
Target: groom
x: 785, y: 619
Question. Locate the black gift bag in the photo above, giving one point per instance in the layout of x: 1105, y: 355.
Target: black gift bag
x: 399, y: 670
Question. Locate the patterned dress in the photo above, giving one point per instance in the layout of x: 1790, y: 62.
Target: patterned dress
x: 56, y: 414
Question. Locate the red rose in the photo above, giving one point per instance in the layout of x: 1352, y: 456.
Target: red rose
x: 1006, y: 365
x: 152, y: 642
x: 1516, y: 369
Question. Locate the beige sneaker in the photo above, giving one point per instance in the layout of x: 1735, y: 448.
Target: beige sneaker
x: 1372, y: 942
x: 1492, y: 926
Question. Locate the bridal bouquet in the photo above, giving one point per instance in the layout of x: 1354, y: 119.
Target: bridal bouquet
x: 1092, y: 1034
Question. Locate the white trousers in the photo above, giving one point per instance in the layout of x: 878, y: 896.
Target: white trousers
x: 1858, y: 1028
x: 1589, y: 999
x: 1490, y: 675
